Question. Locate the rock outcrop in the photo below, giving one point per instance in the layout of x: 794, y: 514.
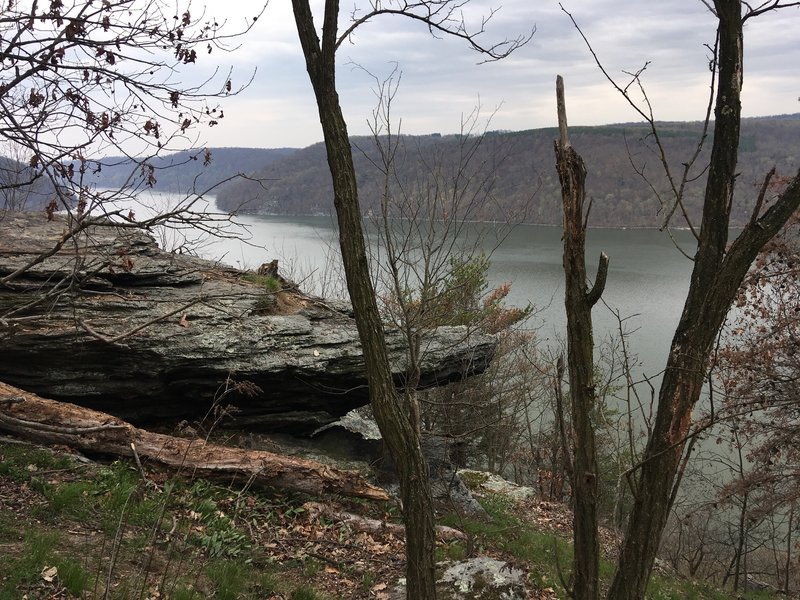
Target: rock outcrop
x: 111, y: 322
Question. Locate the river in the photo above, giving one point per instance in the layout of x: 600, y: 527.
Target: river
x: 647, y: 279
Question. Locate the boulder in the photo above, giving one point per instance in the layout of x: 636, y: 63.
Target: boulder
x: 111, y: 322
x: 482, y: 578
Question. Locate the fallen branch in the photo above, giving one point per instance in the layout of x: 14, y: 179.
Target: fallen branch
x: 367, y: 525
x: 51, y: 422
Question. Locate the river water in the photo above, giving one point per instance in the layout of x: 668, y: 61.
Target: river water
x: 647, y: 279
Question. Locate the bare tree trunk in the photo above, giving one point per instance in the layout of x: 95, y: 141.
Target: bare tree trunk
x: 561, y: 448
x: 788, y: 563
x: 741, y: 546
x: 397, y: 430
x: 741, y: 542
x: 580, y: 358
x: 717, y: 274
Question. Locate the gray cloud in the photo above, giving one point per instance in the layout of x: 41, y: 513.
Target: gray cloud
x: 441, y: 80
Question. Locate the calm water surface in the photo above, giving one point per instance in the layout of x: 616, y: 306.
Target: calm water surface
x: 647, y: 279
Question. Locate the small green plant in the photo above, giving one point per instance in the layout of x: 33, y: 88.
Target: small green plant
x: 38, y: 484
x: 454, y: 551
x: 304, y: 592
x: 31, y: 460
x: 206, y: 507
x: 224, y: 540
x: 497, y: 505
x: 9, y: 526
x: 271, y: 286
x: 220, y: 537
x: 268, y: 583
x: 72, y: 576
x: 311, y: 566
x: 184, y: 593
x: 36, y: 554
x: 229, y: 578
x: 70, y: 499
x: 270, y: 283
x: 13, y: 470
x: 367, y: 581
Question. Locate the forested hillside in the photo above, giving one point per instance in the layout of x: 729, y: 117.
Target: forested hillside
x: 516, y: 172
x: 192, y: 170
x: 16, y: 190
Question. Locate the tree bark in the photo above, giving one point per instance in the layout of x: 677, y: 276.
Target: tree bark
x: 717, y: 274
x: 578, y: 300
x: 396, y: 428
x: 51, y: 422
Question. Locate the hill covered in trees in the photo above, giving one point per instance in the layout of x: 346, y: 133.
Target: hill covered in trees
x: 20, y: 189
x: 512, y: 176
x: 192, y: 170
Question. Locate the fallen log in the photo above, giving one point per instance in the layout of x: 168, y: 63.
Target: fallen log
x: 47, y: 421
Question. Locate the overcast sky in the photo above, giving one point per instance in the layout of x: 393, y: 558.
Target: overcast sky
x: 441, y: 80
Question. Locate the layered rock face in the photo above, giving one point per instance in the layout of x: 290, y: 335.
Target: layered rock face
x: 113, y: 323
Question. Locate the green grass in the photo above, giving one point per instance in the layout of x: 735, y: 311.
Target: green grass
x: 193, y: 539
x: 268, y: 583
x: 19, y: 462
x: 70, y: 499
x: 19, y: 572
x: 229, y: 578
x: 72, y: 575
x: 9, y: 526
x: 188, y: 539
x: 268, y: 282
x: 184, y: 593
x: 541, y: 552
x: 304, y: 592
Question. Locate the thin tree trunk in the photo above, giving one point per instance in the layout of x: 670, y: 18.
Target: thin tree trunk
x: 717, y: 274
x: 741, y: 548
x: 580, y: 359
x: 397, y: 430
x: 740, y: 545
x: 566, y: 456
x: 788, y: 563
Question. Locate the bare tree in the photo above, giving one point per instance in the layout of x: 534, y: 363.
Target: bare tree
x: 718, y: 271
x: 399, y: 432
x: 81, y: 80
x: 432, y: 258
x: 18, y: 188
x: 579, y: 300
x: 84, y: 79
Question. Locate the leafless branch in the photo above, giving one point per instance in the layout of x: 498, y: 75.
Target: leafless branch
x: 118, y: 338
x: 765, y: 7
x: 677, y: 185
x: 761, y: 195
x: 441, y: 17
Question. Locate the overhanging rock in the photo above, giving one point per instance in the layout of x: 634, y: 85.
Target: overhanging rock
x: 111, y: 322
